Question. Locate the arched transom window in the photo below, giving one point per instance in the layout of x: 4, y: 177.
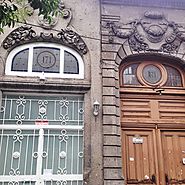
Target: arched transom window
x: 151, y: 74
x: 52, y: 60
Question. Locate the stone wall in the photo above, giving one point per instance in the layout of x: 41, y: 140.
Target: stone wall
x: 124, y: 35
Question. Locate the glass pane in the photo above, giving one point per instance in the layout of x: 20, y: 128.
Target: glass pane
x: 63, y: 152
x: 18, y: 152
x: 174, y: 77
x: 20, y: 61
x: 53, y: 151
x: 46, y: 60
x: 70, y: 64
x: 152, y: 74
x: 55, y: 110
x: 129, y: 75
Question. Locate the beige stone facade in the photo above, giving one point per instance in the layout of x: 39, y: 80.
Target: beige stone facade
x: 105, y: 28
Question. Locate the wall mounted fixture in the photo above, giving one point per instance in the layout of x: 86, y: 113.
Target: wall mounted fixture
x: 96, y: 108
x: 159, y: 91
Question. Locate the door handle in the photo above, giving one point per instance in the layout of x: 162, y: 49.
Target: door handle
x: 166, y: 179
x: 173, y: 181
x: 153, y: 179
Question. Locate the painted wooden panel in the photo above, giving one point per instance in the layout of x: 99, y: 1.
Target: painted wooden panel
x: 172, y: 109
x: 139, y: 161
x: 174, y: 156
x: 134, y: 108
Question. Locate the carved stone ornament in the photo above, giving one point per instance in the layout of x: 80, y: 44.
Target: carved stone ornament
x: 45, y: 23
x: 70, y: 38
x: 66, y: 14
x: 153, y: 32
x: 26, y: 34
x: 21, y: 34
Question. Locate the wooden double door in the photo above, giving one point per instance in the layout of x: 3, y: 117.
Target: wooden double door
x: 153, y: 139
x: 154, y: 156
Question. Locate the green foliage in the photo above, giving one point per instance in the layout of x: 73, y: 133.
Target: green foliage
x: 23, y: 11
x: 12, y: 11
x: 45, y: 7
x: 8, y: 16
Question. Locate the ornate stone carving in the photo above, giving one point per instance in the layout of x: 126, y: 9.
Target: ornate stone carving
x: 153, y: 32
x: 65, y: 12
x: 154, y: 25
x: 45, y: 36
x: 44, y: 23
x: 21, y: 34
x: 26, y: 34
x: 70, y: 38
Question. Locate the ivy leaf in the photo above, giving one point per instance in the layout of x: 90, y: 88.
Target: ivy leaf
x: 1, y: 30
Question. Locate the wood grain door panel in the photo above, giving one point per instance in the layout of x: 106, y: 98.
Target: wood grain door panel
x: 152, y: 110
x: 153, y: 156
x: 173, y: 144
x: 139, y: 156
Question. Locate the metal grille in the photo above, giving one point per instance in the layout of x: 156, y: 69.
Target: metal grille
x: 41, y: 140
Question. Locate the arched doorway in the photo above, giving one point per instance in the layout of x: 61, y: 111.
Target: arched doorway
x: 152, y: 103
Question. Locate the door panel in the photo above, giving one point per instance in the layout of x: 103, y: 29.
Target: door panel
x: 174, y: 153
x: 154, y: 156
x: 139, y: 157
x: 151, y: 109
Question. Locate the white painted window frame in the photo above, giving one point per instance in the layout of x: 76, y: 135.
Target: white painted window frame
x: 30, y: 46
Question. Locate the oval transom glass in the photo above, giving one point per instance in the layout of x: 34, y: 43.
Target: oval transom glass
x: 152, y: 74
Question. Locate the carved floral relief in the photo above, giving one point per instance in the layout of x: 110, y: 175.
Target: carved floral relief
x: 152, y: 32
x: 26, y: 34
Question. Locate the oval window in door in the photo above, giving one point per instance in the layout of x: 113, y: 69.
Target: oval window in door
x: 152, y: 74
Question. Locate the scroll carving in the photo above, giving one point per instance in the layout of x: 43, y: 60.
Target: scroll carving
x: 19, y: 35
x: 26, y: 34
x: 64, y: 11
x: 66, y: 15
x: 70, y: 38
